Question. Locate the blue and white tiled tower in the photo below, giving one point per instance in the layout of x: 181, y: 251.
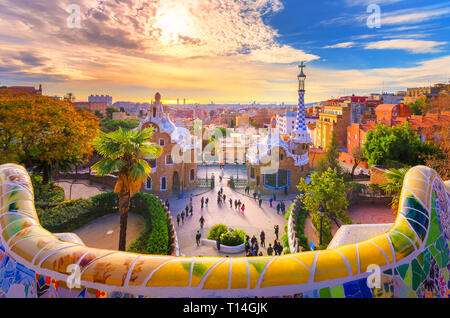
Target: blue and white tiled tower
x: 301, y: 132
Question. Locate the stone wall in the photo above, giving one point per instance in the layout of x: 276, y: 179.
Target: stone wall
x: 377, y: 175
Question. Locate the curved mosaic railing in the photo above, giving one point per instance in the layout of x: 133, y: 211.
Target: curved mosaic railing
x: 413, y: 258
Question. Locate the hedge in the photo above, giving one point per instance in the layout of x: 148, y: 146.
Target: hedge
x: 70, y: 215
x: 234, y: 238
x: 155, y: 237
x: 300, y: 225
x: 46, y: 194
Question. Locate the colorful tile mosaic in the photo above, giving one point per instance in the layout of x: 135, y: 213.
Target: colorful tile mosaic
x: 412, y: 258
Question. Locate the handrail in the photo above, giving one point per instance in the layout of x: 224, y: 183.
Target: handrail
x: 423, y: 211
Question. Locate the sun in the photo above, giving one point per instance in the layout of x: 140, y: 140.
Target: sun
x: 173, y: 22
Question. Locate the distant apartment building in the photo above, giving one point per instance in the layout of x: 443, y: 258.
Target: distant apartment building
x: 388, y: 113
x: 101, y: 99
x: 333, y: 119
x: 427, y: 126
x: 286, y: 122
x: 356, y: 135
x: 92, y: 106
x: 431, y: 92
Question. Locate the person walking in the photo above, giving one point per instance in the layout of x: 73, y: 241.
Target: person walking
x: 253, y: 241
x: 254, y: 196
x: 187, y: 210
x: 202, y: 202
x: 283, y: 207
x: 270, y: 250
x: 202, y: 221
x: 278, y: 208
x: 182, y: 216
x: 231, y: 203
x: 235, y: 204
x: 270, y: 201
x: 197, y: 238
x: 218, y: 243
x: 276, y: 229
x: 206, y: 202
x: 178, y: 219
x: 243, y: 208
x: 239, y: 203
x: 262, y: 236
x: 260, y: 202
x: 224, y: 198
x: 191, y: 209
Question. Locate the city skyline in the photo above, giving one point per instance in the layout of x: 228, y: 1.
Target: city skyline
x: 131, y: 50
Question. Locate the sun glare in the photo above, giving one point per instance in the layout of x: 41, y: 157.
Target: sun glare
x: 173, y: 22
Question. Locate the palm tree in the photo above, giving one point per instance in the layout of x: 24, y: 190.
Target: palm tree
x: 125, y: 151
x: 395, y: 185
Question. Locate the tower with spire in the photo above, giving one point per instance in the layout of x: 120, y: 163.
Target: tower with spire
x: 301, y: 134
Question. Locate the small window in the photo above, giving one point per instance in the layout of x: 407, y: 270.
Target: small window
x: 148, y: 184
x: 152, y: 163
x: 162, y: 142
x: 169, y: 160
x: 192, y: 176
x: 281, y: 157
x: 163, y: 184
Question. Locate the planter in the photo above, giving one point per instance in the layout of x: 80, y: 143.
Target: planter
x: 225, y: 248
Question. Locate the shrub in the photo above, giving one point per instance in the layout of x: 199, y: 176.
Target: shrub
x: 234, y: 238
x: 217, y: 230
x: 67, y: 216
x: 155, y: 238
x: 45, y: 194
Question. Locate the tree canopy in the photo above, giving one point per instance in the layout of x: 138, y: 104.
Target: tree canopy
x: 114, y: 124
x: 396, y: 146
x: 41, y: 132
x: 329, y: 190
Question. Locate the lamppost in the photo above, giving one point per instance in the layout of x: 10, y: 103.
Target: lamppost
x: 321, y: 211
x: 237, y: 169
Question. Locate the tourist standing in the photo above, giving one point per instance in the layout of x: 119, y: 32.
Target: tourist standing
x: 197, y: 238
x: 278, y: 208
x: 276, y: 229
x: 243, y: 208
x: 270, y: 201
x: 280, y: 249
x: 182, y: 216
x: 206, y: 202
x: 218, y: 243
x: 178, y: 219
x: 253, y: 241
x: 256, y: 247
x: 270, y: 250
x: 231, y: 203
x: 202, y: 221
x: 283, y: 207
x: 262, y: 236
x: 202, y: 202
x: 224, y: 198
x: 191, y: 209
x: 275, y: 247
x: 260, y: 202
x: 187, y: 210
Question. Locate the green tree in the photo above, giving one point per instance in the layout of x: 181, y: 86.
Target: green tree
x: 329, y: 191
x: 114, y: 124
x: 395, y: 185
x: 330, y: 158
x: 419, y: 107
x: 125, y: 151
x: 109, y: 112
x: 69, y: 97
x: 396, y: 146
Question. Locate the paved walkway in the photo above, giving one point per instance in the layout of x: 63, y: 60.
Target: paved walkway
x: 104, y: 232
x: 252, y: 221
x: 81, y: 189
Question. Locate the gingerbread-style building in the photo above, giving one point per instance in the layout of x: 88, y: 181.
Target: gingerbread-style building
x: 277, y: 163
x: 175, y: 171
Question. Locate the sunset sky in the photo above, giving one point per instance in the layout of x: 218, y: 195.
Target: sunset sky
x: 223, y: 50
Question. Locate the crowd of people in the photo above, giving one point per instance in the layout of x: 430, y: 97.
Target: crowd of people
x: 253, y: 248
